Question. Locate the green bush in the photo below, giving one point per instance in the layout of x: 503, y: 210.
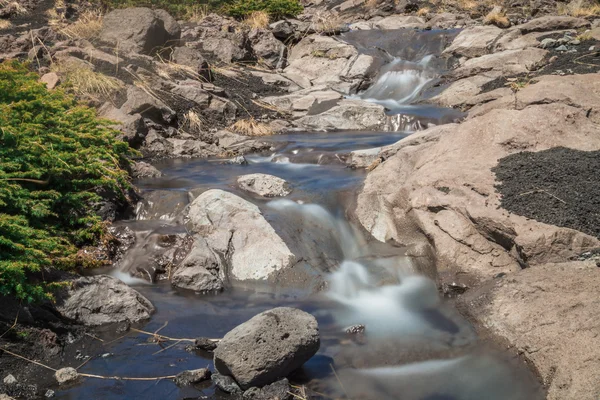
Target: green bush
x: 276, y: 9
x: 55, y: 156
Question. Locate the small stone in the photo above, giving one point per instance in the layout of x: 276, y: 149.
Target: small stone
x: 264, y: 185
x: 547, y: 43
x: 279, y: 390
x: 239, y: 160
x: 187, y: 378
x: 562, y: 48
x: 51, y: 80
x: 226, y: 383
x: 355, y: 329
x: 66, y: 375
x: 575, y: 42
x: 10, y: 380
x: 106, y: 355
x: 49, y: 393
x: 205, y: 344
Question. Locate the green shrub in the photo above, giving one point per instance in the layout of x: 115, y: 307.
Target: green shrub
x: 276, y: 9
x: 55, y: 156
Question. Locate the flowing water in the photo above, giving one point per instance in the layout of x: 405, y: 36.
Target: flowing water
x: 415, y: 346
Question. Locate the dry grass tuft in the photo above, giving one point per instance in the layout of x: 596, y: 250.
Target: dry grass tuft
x: 88, y: 26
x: 171, y: 70
x: 5, y: 24
x: 498, y: 19
x: 579, y: 8
x: 84, y: 81
x: 13, y: 8
x: 193, y: 121
x: 423, y: 12
x: 197, y: 13
x: 251, y: 127
x: 258, y: 19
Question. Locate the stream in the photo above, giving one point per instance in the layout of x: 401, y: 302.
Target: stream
x: 416, y: 346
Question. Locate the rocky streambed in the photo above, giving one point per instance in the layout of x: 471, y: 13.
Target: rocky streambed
x: 387, y: 219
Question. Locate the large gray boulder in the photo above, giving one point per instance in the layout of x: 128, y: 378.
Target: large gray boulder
x: 553, y: 23
x: 140, y: 101
x: 139, y: 30
x: 101, y: 299
x: 268, y: 347
x: 237, y: 231
x: 267, y: 49
x: 264, y: 185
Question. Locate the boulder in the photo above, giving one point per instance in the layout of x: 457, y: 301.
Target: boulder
x: 266, y: 48
x: 554, y: 332
x: 139, y: 101
x: 237, y: 231
x: 139, y: 30
x: 347, y: 115
x: 142, y: 169
x: 191, y: 58
x: 508, y: 62
x: 268, y: 347
x: 199, y: 271
x: 553, y: 23
x: 66, y: 375
x: 264, y: 185
x: 98, y: 300
x: 282, y: 30
x: 132, y: 126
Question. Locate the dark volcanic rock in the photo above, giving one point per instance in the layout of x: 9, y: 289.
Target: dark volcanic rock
x: 187, y: 378
x: 279, y: 390
x: 268, y: 347
x: 226, y: 383
x: 559, y: 186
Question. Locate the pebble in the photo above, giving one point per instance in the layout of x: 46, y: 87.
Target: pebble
x: 10, y: 380
x: 66, y: 375
x: 562, y: 48
x: 49, y: 393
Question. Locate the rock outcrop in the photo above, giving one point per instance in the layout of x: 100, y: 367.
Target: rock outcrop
x: 268, y: 347
x: 101, y: 299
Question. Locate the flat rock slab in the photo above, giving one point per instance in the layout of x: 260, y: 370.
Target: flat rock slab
x: 268, y: 347
x: 550, y: 314
x: 264, y: 185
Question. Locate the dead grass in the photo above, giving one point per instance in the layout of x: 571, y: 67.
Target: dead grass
x: 5, y: 24
x: 170, y: 70
x: 251, y: 127
x: 497, y: 18
x: 84, y: 81
x: 579, y: 8
x: 258, y: 19
x: 197, y: 13
x: 13, y: 8
x: 88, y: 26
x: 193, y: 121
x: 423, y: 12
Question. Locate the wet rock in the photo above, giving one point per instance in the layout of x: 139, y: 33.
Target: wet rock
x: 10, y: 380
x: 206, y: 344
x: 553, y: 23
x: 199, y: 271
x: 101, y: 299
x: 187, y: 378
x: 264, y: 185
x: 161, y: 204
x: 66, y: 375
x: 239, y: 160
x: 139, y: 30
x: 268, y: 347
x: 142, y: 169
x: 280, y: 390
x: 226, y: 383
x: 553, y: 332
x: 141, y: 102
x: 347, y: 115
x: 51, y: 80
x: 237, y: 231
